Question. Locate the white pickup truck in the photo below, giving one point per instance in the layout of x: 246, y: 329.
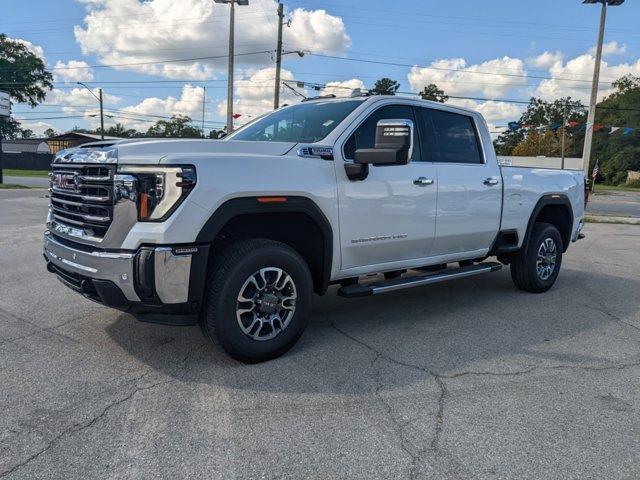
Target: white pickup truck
x: 373, y: 194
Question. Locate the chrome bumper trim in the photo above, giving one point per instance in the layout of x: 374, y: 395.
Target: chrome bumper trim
x: 172, y: 275
x: 171, y: 272
x: 116, y: 267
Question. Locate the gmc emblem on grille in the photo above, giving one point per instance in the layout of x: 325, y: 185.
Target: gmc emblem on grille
x: 67, y: 181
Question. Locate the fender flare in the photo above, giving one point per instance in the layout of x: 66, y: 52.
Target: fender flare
x: 544, y: 201
x: 293, y: 204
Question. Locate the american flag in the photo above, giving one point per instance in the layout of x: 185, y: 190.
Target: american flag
x: 594, y: 172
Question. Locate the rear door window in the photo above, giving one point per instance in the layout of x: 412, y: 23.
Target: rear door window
x: 455, y: 137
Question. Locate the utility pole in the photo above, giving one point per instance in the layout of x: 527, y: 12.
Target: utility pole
x: 564, y: 125
x: 204, y: 100
x: 101, y: 116
x: 1, y: 177
x: 276, y: 96
x: 230, y: 67
x: 232, y: 4
x: 591, y: 116
x: 99, y: 98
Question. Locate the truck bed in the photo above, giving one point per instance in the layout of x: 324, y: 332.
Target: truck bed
x: 523, y: 187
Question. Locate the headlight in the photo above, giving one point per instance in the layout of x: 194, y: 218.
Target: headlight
x: 106, y: 154
x: 156, y: 190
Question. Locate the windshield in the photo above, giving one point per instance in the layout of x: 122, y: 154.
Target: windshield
x: 303, y: 123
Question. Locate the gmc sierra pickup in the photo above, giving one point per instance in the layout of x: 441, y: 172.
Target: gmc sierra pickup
x: 373, y: 194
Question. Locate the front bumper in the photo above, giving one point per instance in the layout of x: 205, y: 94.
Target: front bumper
x: 154, y: 279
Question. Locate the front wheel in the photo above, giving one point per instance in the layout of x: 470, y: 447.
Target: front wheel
x: 257, y: 299
x: 536, y: 271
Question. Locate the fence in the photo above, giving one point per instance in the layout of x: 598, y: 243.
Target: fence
x: 27, y: 161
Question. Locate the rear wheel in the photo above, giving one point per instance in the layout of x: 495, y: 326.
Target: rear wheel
x: 257, y: 299
x: 536, y: 271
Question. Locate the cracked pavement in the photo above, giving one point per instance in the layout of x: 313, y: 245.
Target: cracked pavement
x: 466, y: 380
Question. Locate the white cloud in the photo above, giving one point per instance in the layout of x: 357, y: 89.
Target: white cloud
x: 316, y: 30
x: 33, y: 48
x: 188, y: 30
x: 494, y: 111
x: 573, y: 78
x: 189, y: 104
x: 491, y: 111
x: 72, y: 71
x: 610, y: 48
x: 455, y: 77
x: 37, y: 127
x: 254, y: 95
x: 546, y: 60
x: 78, y: 97
x: 343, y: 89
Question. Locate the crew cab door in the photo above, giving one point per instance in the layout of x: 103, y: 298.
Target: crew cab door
x: 389, y: 216
x: 469, y: 184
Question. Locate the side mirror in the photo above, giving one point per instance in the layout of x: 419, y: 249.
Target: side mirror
x: 393, y: 144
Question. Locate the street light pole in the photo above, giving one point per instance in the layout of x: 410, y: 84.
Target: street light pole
x: 101, y: 116
x: 591, y: 116
x: 276, y: 95
x: 230, y: 67
x: 99, y: 98
x: 232, y: 4
x: 204, y: 101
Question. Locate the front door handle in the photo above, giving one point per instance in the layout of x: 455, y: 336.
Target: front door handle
x: 491, y: 181
x: 423, y: 181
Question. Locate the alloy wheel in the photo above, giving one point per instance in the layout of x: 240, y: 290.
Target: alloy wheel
x: 266, y: 303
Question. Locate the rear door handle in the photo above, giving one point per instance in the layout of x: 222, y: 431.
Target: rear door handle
x: 491, y: 181
x: 423, y: 181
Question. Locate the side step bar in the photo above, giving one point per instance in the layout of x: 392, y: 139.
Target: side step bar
x: 357, y: 290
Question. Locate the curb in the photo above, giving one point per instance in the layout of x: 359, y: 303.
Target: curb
x: 609, y: 219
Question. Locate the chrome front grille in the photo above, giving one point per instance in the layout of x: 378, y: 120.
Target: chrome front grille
x: 82, y: 197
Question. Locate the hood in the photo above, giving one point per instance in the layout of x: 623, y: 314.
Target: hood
x: 153, y: 150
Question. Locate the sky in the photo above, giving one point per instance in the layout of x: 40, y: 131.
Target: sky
x: 157, y: 58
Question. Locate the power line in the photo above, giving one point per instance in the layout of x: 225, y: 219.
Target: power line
x: 458, y: 70
x: 152, y: 62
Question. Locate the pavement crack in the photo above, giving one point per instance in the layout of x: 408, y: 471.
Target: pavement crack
x: 401, y: 427
x: 435, y: 445
x: 79, y: 427
x: 50, y: 329
x: 440, y: 414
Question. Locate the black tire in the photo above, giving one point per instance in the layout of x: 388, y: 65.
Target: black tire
x: 227, y: 273
x: 524, y: 271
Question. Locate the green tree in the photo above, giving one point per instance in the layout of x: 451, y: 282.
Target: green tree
x: 177, y: 127
x: 10, y: 128
x: 22, y: 73
x: 433, y: 93
x: 119, y: 130
x: 215, y: 134
x: 548, y: 144
x: 619, y: 151
x: 540, y: 113
x: 27, y: 133
x: 50, y: 132
x: 385, y: 86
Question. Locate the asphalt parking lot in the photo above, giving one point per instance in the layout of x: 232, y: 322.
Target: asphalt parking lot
x: 469, y: 379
